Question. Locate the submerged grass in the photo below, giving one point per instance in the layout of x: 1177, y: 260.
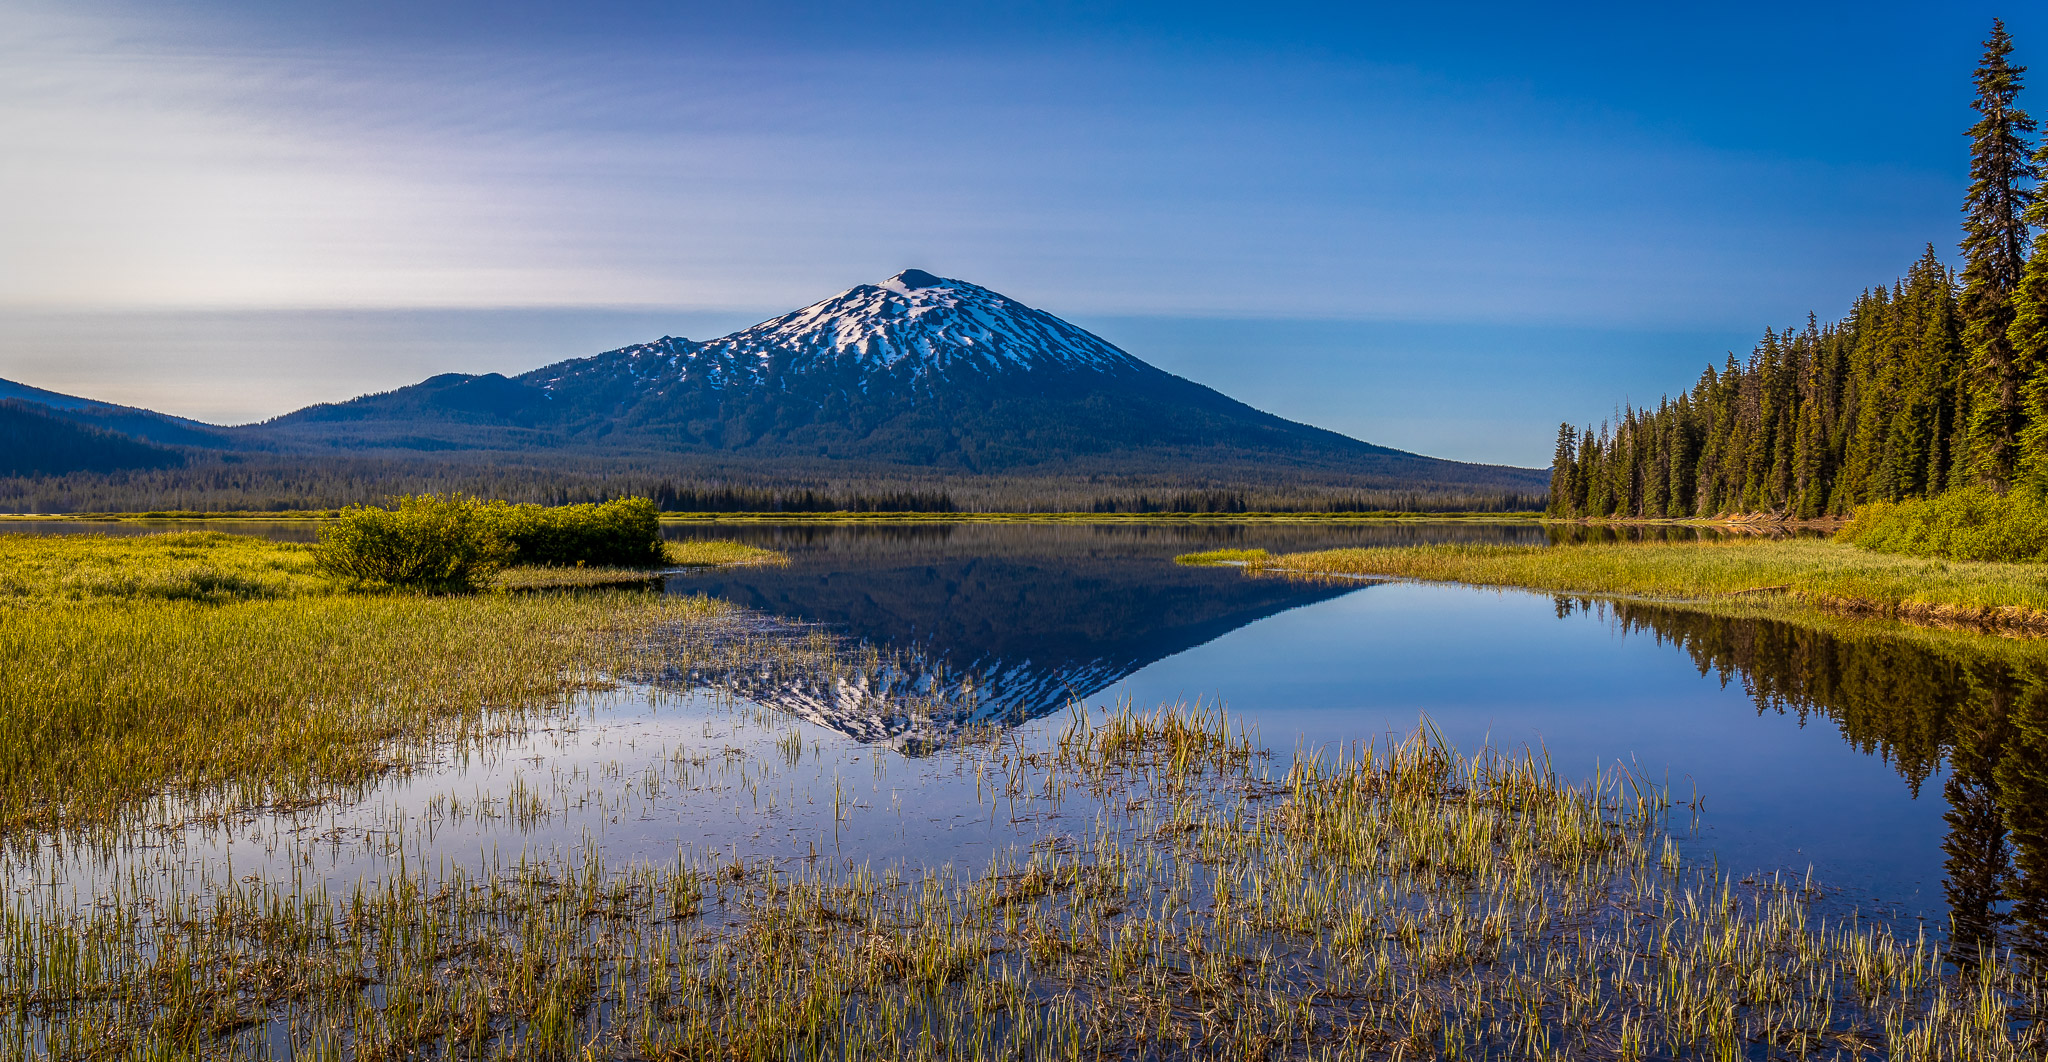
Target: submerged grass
x: 1790, y: 574
x: 199, y: 667
x: 1392, y: 902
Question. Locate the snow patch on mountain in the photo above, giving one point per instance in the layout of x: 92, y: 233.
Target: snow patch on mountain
x: 913, y: 323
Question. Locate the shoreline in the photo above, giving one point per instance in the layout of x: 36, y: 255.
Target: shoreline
x: 844, y: 516
x: 1814, y: 578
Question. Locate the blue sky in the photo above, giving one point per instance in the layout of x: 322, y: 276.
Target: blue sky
x: 1439, y: 229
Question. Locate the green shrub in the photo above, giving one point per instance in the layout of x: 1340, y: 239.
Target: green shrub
x: 1971, y: 524
x: 428, y: 541
x: 625, y: 533
x: 455, y: 542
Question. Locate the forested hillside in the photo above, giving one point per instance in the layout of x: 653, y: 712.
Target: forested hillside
x: 1937, y: 381
x: 35, y: 443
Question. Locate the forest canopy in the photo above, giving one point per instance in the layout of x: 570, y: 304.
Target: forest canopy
x: 1935, y: 382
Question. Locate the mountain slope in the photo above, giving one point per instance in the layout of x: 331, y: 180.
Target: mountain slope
x: 38, y: 441
x: 106, y: 416
x: 917, y: 371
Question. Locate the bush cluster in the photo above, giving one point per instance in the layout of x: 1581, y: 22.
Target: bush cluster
x: 457, y: 542
x: 1970, y: 524
x: 625, y: 533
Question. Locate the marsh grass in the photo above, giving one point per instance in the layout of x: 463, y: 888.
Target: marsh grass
x: 39, y: 570
x: 104, y: 708
x: 703, y: 552
x: 1223, y: 556
x: 1785, y: 574
x: 200, y: 669
x: 1398, y: 900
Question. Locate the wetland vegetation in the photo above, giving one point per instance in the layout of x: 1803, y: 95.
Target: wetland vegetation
x: 206, y: 665
x: 1790, y: 575
x: 1393, y: 901
x: 1160, y: 884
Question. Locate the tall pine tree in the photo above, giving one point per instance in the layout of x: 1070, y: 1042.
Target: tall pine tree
x: 1994, y: 247
x: 2029, y: 335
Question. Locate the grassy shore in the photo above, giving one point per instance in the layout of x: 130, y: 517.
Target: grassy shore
x: 1191, y: 898
x: 1397, y: 902
x: 223, y: 671
x: 1793, y: 574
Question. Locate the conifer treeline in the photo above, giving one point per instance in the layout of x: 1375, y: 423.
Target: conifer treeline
x: 1936, y: 382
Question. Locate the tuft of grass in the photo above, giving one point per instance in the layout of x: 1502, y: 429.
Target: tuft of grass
x: 718, y: 551
x: 1970, y: 524
x: 1791, y: 574
x: 1223, y: 556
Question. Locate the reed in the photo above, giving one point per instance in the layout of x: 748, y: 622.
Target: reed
x: 1398, y: 900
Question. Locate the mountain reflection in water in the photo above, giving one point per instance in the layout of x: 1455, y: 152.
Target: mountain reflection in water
x: 1980, y: 705
x: 961, y: 626
x: 977, y: 625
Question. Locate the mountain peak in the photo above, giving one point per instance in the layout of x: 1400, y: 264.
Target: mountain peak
x: 913, y: 279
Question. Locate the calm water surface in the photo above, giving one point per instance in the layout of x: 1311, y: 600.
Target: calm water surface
x: 1908, y: 773
x: 1803, y: 749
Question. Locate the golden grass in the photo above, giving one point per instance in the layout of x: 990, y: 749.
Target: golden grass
x: 1214, y: 557
x: 718, y: 551
x: 1785, y: 573
x: 180, y: 565
x: 214, y: 667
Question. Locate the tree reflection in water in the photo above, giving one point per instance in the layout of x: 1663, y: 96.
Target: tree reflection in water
x: 1917, y: 699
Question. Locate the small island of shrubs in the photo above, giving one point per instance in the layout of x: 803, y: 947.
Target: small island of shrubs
x: 457, y: 542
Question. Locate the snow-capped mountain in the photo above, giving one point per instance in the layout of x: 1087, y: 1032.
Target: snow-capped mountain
x: 910, y: 325
x: 916, y: 372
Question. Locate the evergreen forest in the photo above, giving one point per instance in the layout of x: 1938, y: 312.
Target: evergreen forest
x: 1935, y: 382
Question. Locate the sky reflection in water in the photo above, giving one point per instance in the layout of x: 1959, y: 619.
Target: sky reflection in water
x: 1822, y: 748
x: 1807, y: 749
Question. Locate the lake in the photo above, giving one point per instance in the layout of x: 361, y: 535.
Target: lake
x: 1795, y: 749
x: 1788, y: 749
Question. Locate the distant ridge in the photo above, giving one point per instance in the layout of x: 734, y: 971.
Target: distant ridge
x: 36, y: 440
x: 127, y: 420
